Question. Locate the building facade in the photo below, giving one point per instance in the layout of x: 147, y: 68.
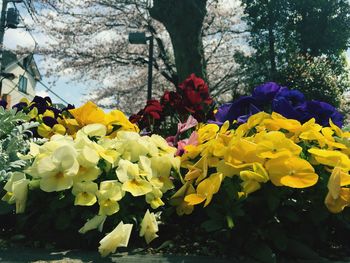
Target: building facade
x: 23, y: 81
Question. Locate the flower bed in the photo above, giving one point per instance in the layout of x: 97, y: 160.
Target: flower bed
x: 262, y: 176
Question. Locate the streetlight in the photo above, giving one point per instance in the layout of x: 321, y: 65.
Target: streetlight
x: 139, y: 38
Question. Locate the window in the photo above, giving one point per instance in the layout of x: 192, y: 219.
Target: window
x: 22, y: 85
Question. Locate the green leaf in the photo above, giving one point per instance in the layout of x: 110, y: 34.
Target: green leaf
x: 261, y: 252
x: 300, y: 250
x: 5, y: 208
x: 212, y: 225
x: 278, y: 237
x: 230, y: 223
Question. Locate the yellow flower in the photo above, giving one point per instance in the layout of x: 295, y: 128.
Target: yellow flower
x: 253, y: 121
x: 119, y: 237
x: 94, y: 130
x: 89, y: 113
x: 241, y: 152
x: 338, y: 197
x: 117, y: 121
x: 275, y: 144
x: 253, y: 177
x: 93, y: 223
x: 154, y: 198
x: 278, y: 122
x: 128, y: 173
x: 291, y: 171
x: 331, y: 158
x: 17, y: 191
x: 46, y: 131
x: 205, y: 190
x: 207, y: 132
x: 159, y: 172
x: 85, y: 193
x: 178, y: 199
x: 198, y: 171
x: 149, y: 227
x: 58, y: 170
x: 71, y: 125
x: 108, y: 196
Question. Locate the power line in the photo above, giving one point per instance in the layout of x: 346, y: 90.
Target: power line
x: 27, y: 27
x: 54, y: 93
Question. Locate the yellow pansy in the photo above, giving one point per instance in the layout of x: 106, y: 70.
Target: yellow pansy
x: 154, y: 198
x: 17, y: 191
x: 149, y: 227
x: 198, y: 171
x: 207, y: 132
x: 178, y: 199
x: 252, y: 122
x: 119, y: 237
x: 253, y: 177
x: 338, y: 197
x: 89, y: 113
x: 291, y: 171
x: 57, y: 171
x: 278, y: 122
x: 331, y: 158
x: 46, y: 131
x: 85, y: 193
x: 108, y: 196
x: 160, y: 171
x: 275, y: 144
x: 128, y: 174
x: 241, y: 152
x: 328, y: 132
x: 117, y: 121
x: 205, y: 190
x: 94, y: 223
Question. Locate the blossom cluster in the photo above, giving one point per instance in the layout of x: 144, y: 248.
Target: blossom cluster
x: 273, y: 137
x: 70, y: 120
x: 267, y: 148
x: 99, y: 167
x: 190, y: 98
x: 271, y: 97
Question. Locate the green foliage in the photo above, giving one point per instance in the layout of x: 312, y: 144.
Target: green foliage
x: 299, y: 44
x: 14, y: 139
x: 320, y: 78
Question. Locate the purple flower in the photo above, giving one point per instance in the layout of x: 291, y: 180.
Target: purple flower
x: 240, y: 110
x: 20, y: 106
x: 3, y: 103
x: 266, y: 92
x: 49, y: 121
x: 289, y: 103
x: 322, y: 112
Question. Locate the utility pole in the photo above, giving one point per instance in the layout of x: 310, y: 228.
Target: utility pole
x: 2, y: 33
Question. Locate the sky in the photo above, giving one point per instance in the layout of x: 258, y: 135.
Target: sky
x: 70, y: 91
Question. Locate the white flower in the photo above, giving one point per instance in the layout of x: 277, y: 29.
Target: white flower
x: 149, y: 227
x: 93, y: 223
x: 119, y: 237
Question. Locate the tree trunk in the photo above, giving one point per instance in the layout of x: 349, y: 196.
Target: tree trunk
x: 183, y: 20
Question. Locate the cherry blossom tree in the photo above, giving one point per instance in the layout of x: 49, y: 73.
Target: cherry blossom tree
x: 89, y: 40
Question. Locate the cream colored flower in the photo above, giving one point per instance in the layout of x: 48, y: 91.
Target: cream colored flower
x: 119, y: 237
x: 149, y: 227
x: 94, y: 223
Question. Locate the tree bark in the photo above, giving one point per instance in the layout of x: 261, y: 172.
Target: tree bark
x: 183, y: 20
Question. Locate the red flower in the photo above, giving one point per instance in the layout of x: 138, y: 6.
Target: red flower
x: 153, y: 109
x: 195, y: 91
